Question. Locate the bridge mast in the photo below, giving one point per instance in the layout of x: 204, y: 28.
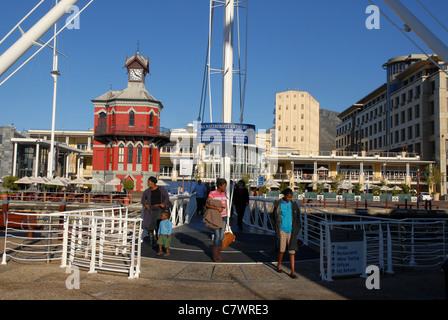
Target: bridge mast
x: 227, y: 87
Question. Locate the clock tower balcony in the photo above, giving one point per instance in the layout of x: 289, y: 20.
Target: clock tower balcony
x: 159, y: 135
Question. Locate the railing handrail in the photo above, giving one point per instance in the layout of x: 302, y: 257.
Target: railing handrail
x: 136, y: 129
x: 400, y: 241
x: 58, y: 234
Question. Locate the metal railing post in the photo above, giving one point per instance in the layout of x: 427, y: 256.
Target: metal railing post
x: 64, y: 243
x: 329, y: 255
x: 93, y: 245
x: 389, y: 250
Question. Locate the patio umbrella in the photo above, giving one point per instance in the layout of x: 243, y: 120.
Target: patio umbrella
x: 322, y: 169
x: 40, y: 180
x: 162, y: 183
x: 345, y: 185
x: 95, y: 181
x: 385, y: 188
x: 57, y: 182
x: 272, y: 184
x: 396, y: 188
x: 24, y: 180
x: 113, y: 182
x: 366, y: 186
x: 78, y: 181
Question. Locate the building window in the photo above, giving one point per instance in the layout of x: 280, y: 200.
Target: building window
x: 139, y: 154
x: 131, y: 118
x: 150, y: 155
x: 151, y: 120
x: 120, y: 154
x: 130, y: 155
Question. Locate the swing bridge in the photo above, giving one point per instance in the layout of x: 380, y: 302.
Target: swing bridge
x: 111, y: 238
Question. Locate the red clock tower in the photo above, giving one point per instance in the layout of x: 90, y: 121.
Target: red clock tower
x: 128, y: 136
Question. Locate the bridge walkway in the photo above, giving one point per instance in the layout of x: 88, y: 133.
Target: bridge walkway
x: 192, y: 243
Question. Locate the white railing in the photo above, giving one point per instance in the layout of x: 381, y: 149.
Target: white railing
x: 104, y: 239
x: 184, y: 207
x: 387, y: 243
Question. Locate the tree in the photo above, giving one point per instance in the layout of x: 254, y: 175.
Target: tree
x: 433, y: 177
x: 9, y: 183
x: 128, y: 185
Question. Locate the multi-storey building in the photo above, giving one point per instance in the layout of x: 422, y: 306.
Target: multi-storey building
x: 127, y: 134
x: 297, y: 122
x: 78, y: 164
x: 407, y: 113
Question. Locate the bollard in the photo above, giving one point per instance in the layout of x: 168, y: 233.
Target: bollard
x: 406, y: 204
x: 5, y: 208
x: 365, y: 204
x: 5, y: 205
x: 445, y: 269
x: 345, y: 203
x: 62, y: 206
x: 387, y: 204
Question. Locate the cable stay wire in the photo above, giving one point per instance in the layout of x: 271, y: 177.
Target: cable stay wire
x: 410, y: 39
x: 432, y: 15
x: 242, y: 71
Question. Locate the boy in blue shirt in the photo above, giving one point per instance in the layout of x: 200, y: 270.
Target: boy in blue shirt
x: 164, y: 234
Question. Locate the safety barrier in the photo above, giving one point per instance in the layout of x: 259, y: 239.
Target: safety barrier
x: 102, y: 239
x: 184, y: 207
x: 386, y: 243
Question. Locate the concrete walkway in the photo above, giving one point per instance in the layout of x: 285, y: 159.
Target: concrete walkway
x: 250, y: 277
x: 162, y: 279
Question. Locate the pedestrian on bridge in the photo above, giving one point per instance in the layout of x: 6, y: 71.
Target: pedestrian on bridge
x: 219, y: 194
x: 201, y: 195
x: 240, y: 201
x: 154, y: 199
x: 286, y: 218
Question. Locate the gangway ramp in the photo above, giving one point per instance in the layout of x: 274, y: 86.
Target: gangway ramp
x: 192, y: 243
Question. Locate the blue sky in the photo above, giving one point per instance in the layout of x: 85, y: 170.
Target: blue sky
x: 322, y: 47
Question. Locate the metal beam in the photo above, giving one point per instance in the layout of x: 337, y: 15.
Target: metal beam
x: 429, y: 38
x: 21, y: 46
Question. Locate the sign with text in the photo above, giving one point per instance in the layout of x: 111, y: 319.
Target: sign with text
x: 237, y: 133
x: 347, y: 252
x: 186, y: 167
x: 260, y: 181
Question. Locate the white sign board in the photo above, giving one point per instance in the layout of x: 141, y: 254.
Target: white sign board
x: 186, y: 167
x: 347, y: 253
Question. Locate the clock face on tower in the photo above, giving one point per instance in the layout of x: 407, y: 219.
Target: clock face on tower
x: 136, y: 74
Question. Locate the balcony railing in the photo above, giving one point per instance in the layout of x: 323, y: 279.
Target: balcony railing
x: 125, y: 130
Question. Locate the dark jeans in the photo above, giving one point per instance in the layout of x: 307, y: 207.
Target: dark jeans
x: 200, y: 203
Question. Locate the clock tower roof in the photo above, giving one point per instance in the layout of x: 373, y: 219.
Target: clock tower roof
x: 136, y: 60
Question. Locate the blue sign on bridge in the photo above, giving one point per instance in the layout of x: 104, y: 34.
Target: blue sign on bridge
x: 227, y: 133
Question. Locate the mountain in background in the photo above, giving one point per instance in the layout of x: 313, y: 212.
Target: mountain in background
x: 327, y: 132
